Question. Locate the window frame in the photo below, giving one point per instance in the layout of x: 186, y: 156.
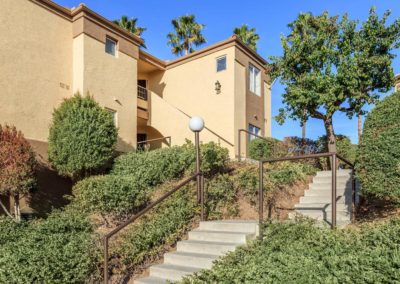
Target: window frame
x: 114, y: 114
x: 254, y: 80
x: 115, y: 46
x: 252, y: 135
x: 216, y: 63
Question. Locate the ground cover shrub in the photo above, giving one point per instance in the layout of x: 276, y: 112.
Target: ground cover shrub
x: 60, y: 249
x: 17, y: 167
x: 163, y: 227
x: 82, y: 137
x: 113, y: 195
x: 266, y: 148
x: 302, y: 253
x: 221, y: 197
x: 378, y: 155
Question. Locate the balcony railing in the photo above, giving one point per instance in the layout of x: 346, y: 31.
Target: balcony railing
x: 143, y: 93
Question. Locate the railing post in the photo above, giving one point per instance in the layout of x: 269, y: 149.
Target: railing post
x: 202, y: 197
x: 106, y: 260
x: 353, y: 190
x: 260, y: 198
x: 197, y: 145
x: 333, y: 167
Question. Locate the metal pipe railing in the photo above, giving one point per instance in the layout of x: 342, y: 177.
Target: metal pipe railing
x: 132, y: 219
x: 240, y: 143
x: 334, y: 157
x: 166, y: 138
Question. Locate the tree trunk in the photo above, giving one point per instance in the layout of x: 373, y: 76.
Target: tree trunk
x: 330, y: 135
x: 359, y: 127
x: 303, y: 138
x: 5, y: 210
x: 17, y: 212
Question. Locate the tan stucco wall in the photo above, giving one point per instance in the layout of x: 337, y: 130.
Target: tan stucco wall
x: 112, y: 81
x: 35, y: 66
x: 190, y: 87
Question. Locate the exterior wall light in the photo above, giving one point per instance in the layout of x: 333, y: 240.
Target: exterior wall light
x: 196, y: 124
x: 218, y: 87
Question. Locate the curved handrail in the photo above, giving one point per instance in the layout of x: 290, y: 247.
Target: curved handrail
x: 334, y: 156
x: 107, y: 237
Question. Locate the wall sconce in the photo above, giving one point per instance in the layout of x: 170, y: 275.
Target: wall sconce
x: 218, y: 87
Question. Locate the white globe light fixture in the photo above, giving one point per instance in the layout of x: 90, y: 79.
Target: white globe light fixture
x: 196, y: 124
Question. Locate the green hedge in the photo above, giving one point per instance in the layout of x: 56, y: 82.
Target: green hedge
x: 303, y: 253
x: 164, y: 226
x: 60, y: 249
x: 378, y: 156
x: 110, y: 194
x: 266, y: 148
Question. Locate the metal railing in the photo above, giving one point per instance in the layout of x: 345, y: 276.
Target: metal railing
x: 240, y: 143
x: 166, y: 140
x: 197, y: 176
x: 142, y: 93
x: 333, y: 157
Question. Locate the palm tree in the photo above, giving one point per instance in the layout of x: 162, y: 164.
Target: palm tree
x: 187, y: 33
x: 131, y: 26
x: 248, y: 36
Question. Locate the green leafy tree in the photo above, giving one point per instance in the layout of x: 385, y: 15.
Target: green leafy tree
x: 187, y: 33
x: 130, y: 24
x: 82, y: 137
x: 17, y: 167
x: 247, y: 35
x: 332, y: 64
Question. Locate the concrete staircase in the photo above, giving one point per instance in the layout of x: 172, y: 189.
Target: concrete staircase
x: 316, y: 202
x: 205, y: 244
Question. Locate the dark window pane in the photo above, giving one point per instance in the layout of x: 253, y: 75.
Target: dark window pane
x: 221, y: 64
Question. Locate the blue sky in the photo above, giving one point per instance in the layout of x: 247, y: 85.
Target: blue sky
x: 269, y: 17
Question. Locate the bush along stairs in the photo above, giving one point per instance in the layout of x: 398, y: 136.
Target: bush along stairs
x: 316, y: 202
x: 205, y: 244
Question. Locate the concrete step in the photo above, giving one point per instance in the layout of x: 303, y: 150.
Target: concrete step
x: 246, y: 226
x: 151, y: 280
x: 220, y: 236
x: 321, y: 215
x: 171, y: 272
x: 322, y: 206
x: 197, y: 260
x: 325, y: 199
x: 217, y: 248
x: 339, y: 182
x: 340, y: 188
x: 338, y: 173
x: 327, y: 192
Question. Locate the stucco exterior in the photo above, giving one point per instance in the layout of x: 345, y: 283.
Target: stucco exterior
x: 66, y: 54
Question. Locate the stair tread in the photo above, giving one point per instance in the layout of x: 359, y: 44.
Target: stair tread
x: 211, y: 243
x: 199, y: 255
x: 232, y: 221
x: 221, y: 232
x: 151, y: 280
x: 186, y: 269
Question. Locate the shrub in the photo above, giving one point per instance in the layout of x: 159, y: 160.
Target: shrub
x: 163, y: 227
x: 153, y: 167
x: 213, y: 158
x: 344, y: 148
x: 110, y: 194
x: 221, y: 198
x: 82, y: 137
x: 266, y: 148
x: 378, y: 155
x: 296, y: 145
x: 303, y: 253
x: 60, y: 249
x: 17, y: 165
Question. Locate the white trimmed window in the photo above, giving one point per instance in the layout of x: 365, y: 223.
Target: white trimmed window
x: 255, y: 80
x: 221, y: 63
x: 254, y: 130
x: 111, y: 46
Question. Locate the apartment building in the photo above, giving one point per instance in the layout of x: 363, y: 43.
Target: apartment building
x: 49, y: 52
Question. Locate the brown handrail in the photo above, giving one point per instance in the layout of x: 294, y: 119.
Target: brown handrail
x: 240, y: 143
x: 107, y: 237
x: 334, y: 156
x: 157, y: 139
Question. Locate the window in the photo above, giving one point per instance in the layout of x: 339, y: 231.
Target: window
x: 221, y: 63
x: 255, y: 80
x: 111, y: 46
x: 253, y: 130
x: 114, y: 116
